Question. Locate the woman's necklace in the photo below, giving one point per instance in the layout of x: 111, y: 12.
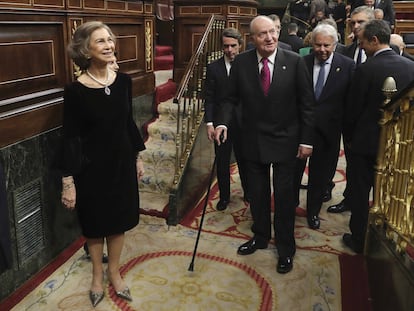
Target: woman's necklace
x: 105, y: 84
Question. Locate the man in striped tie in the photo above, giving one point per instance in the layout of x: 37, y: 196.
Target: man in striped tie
x: 332, y: 75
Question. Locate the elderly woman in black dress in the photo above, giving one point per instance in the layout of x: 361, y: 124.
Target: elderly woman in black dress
x: 101, y: 145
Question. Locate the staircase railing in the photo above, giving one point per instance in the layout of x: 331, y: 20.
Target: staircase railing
x: 392, y: 214
x: 189, y: 96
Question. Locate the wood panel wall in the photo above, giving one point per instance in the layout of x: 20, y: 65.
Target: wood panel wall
x: 404, y: 19
x: 404, y: 9
x: 190, y: 18
x: 34, y: 35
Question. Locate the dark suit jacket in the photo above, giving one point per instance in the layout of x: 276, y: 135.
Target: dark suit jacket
x: 363, y: 108
x: 216, y: 80
x: 273, y: 126
x: 408, y: 55
x: 340, y: 48
x: 350, y: 49
x: 284, y: 46
x: 295, y: 42
x: 331, y: 103
x: 388, y: 7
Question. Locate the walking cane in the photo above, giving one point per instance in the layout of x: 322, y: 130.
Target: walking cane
x: 191, y: 267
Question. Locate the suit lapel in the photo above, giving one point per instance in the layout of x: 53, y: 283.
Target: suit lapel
x: 253, y: 67
x: 330, y: 79
x: 223, y: 69
x: 309, y: 61
x: 279, y: 66
x: 351, y: 49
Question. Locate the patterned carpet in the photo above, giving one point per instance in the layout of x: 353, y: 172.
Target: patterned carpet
x: 156, y: 258
x: 159, y: 157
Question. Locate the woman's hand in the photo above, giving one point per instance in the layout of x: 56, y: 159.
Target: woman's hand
x: 68, y: 192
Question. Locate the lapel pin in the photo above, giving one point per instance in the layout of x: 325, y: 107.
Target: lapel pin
x: 284, y: 67
x: 338, y: 69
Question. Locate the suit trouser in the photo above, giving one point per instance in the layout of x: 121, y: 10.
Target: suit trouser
x: 324, y: 157
x: 241, y: 162
x: 260, y: 205
x: 334, y: 164
x: 329, y: 166
x: 348, y: 167
x: 360, y: 179
x: 223, y: 154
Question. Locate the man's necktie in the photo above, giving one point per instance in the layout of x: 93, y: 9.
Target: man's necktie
x: 321, y: 80
x: 359, y: 56
x: 265, y: 76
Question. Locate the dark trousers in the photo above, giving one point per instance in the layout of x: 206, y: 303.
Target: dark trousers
x: 360, y: 180
x: 223, y: 154
x: 260, y: 196
x: 347, y: 169
x: 324, y: 158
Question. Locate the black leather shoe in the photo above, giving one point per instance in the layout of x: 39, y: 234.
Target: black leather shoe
x: 284, y: 264
x: 314, y: 222
x: 338, y: 208
x: 250, y: 247
x: 327, y: 196
x: 352, y: 244
x: 222, y: 205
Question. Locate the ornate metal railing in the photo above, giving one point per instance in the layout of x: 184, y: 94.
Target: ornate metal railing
x: 392, y: 214
x: 189, y: 96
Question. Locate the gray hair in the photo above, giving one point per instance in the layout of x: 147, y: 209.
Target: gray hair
x: 369, y: 12
x: 78, y: 49
x: 274, y: 17
x: 253, y: 22
x: 329, y: 21
x: 325, y: 29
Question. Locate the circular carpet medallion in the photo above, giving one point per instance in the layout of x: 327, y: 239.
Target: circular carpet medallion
x: 161, y: 281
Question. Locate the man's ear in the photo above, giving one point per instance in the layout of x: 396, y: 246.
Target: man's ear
x: 375, y: 40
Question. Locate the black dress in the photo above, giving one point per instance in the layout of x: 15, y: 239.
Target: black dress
x: 100, y: 144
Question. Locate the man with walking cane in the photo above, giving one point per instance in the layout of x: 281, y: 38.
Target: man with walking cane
x: 273, y: 89
x: 216, y: 87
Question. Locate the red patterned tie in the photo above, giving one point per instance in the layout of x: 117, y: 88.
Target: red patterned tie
x: 265, y: 75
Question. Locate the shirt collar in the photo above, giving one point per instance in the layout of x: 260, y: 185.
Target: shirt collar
x: 271, y: 58
x: 382, y: 50
x: 227, y: 60
x: 328, y: 61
